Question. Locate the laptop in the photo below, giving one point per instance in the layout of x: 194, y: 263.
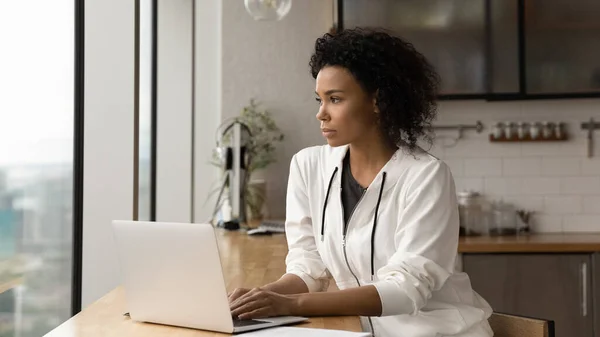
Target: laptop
x: 172, y: 275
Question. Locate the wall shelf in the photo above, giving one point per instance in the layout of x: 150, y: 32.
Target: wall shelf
x: 527, y: 139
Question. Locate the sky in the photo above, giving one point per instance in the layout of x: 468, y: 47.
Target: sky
x: 37, y: 82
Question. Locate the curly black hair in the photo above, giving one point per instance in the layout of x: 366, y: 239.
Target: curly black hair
x: 406, y: 84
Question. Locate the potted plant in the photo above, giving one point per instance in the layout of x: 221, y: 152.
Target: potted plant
x: 261, y: 153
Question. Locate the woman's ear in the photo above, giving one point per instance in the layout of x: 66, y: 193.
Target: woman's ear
x: 374, y: 101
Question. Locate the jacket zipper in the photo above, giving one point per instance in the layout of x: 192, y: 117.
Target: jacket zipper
x: 346, y: 231
x: 344, y: 244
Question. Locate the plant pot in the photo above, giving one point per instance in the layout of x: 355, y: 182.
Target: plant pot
x: 256, y: 195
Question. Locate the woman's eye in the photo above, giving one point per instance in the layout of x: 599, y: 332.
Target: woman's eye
x: 335, y: 100
x: 318, y: 100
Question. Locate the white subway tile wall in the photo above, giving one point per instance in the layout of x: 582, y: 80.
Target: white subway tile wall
x: 591, y: 167
x: 503, y: 186
x: 540, y: 186
x: 522, y: 166
x: 457, y: 166
x: 555, y: 180
x: 535, y: 204
x: 580, y: 223
x: 483, y: 167
x: 581, y: 185
x: 591, y: 205
x: 468, y: 184
x: 561, y: 166
x: 547, y: 224
x: 563, y: 205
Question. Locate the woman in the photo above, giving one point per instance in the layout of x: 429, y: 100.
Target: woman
x: 372, y: 209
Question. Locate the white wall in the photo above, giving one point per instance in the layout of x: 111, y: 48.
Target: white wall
x: 208, y: 103
x: 108, y: 139
x: 269, y: 61
x: 174, y: 111
x: 556, y: 180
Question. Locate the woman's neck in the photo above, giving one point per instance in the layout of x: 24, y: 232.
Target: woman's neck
x: 367, y: 158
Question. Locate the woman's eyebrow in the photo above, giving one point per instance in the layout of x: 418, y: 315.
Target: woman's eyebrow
x: 332, y: 91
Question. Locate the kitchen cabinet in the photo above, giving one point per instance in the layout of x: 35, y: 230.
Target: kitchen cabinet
x: 495, y: 49
x: 562, y: 42
x: 453, y: 36
x: 551, y: 286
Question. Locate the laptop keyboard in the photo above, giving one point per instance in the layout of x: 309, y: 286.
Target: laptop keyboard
x: 237, y: 323
x: 273, y: 226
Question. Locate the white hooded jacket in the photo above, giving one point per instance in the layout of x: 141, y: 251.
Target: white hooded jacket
x: 408, y: 251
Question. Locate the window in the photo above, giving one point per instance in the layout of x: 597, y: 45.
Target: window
x: 37, y: 157
x: 146, y: 112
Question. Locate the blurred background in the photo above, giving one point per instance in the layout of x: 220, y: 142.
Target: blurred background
x: 114, y: 109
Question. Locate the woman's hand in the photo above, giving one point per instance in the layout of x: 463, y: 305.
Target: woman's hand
x: 237, y: 293
x: 260, y: 303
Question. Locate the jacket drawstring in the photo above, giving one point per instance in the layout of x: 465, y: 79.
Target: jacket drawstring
x: 374, y: 220
x: 375, y: 226
x: 325, y: 203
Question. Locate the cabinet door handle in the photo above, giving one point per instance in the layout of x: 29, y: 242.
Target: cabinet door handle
x: 584, y: 290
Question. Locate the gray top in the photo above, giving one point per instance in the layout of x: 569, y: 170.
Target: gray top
x: 351, y: 190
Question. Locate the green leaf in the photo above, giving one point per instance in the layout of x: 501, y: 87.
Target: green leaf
x: 265, y: 134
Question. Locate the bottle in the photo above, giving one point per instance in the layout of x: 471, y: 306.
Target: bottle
x: 226, y: 211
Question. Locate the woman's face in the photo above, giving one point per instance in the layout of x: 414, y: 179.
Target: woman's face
x: 346, y: 111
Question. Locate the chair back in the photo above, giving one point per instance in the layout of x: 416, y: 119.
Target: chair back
x: 505, y: 325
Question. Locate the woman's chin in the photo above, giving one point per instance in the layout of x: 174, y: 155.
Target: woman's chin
x: 335, y: 143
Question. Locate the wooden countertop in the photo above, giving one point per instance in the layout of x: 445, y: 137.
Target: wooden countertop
x: 248, y: 261
x: 532, y: 243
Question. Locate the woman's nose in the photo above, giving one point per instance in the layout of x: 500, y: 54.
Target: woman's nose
x: 322, y: 115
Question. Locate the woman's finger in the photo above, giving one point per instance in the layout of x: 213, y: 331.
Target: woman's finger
x: 239, y: 302
x: 247, y: 297
x: 249, y: 307
x: 242, y: 293
x: 237, y: 293
x: 245, y: 300
x: 254, y: 314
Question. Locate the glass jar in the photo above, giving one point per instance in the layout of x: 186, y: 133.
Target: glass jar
x: 470, y: 213
x: 521, y: 131
x: 558, y: 130
x: 498, y: 131
x: 534, y: 130
x: 546, y: 130
x: 508, y: 130
x: 504, y: 219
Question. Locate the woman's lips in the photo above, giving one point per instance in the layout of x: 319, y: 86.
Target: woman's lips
x: 327, y: 133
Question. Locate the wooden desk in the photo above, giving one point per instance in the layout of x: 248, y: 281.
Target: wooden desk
x: 247, y: 262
